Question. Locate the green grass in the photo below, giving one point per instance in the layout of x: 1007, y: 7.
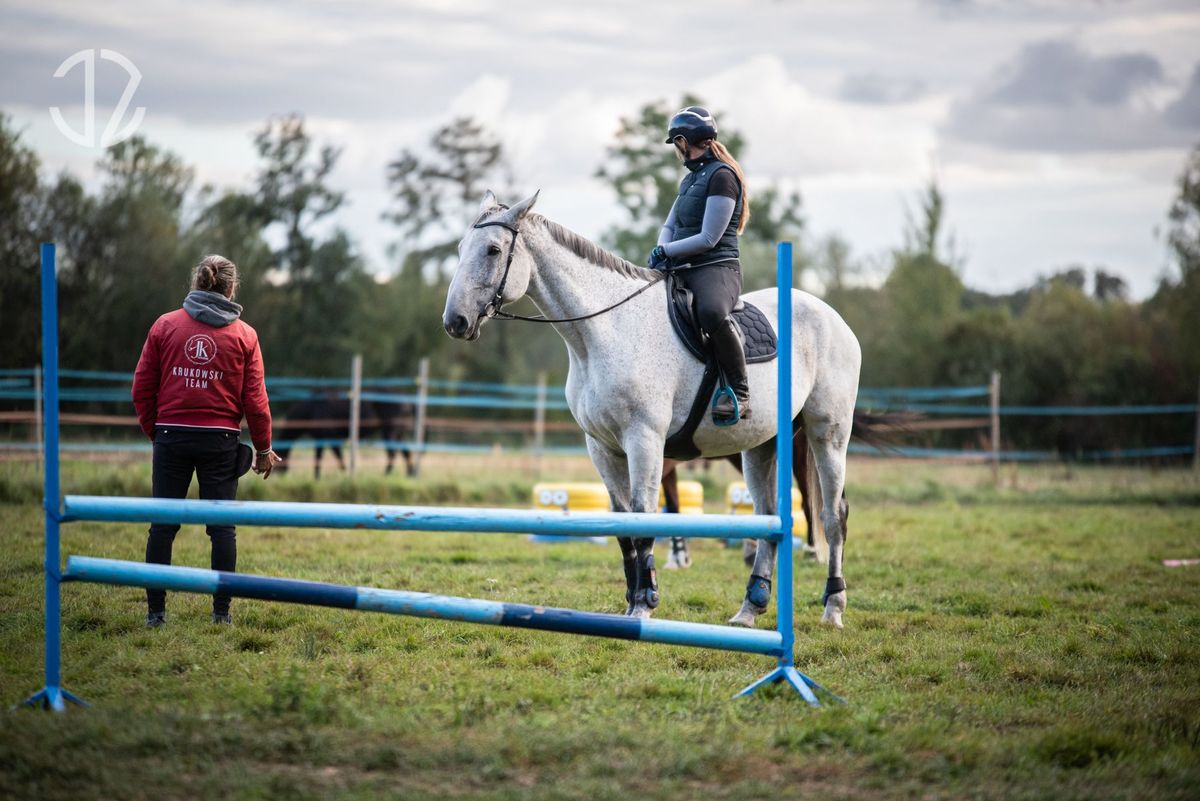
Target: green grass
x: 1024, y: 642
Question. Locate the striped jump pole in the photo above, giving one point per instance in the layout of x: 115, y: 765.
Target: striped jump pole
x: 421, y: 604
x: 416, y: 518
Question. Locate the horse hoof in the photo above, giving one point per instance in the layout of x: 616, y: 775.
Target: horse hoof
x: 745, y: 617
x: 678, y: 562
x: 641, y: 612
x: 834, y: 606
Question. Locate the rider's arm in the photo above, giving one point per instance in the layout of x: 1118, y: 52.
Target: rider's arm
x: 718, y: 211
x: 668, y: 230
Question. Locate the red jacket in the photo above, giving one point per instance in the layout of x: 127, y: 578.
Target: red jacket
x: 194, y: 374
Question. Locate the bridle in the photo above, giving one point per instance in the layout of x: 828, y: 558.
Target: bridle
x: 493, y: 311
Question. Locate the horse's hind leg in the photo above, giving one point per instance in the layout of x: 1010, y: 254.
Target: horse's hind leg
x: 829, y: 439
x: 759, y: 469
x: 679, y: 557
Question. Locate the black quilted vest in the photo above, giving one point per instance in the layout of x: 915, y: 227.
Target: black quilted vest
x: 689, y: 208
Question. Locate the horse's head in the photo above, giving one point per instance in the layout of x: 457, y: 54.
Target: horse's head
x: 492, y: 260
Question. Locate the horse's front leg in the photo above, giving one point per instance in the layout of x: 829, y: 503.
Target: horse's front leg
x: 759, y: 466
x: 613, y: 468
x: 644, y: 449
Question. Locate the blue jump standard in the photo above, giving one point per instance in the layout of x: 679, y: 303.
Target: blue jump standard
x: 418, y: 518
x: 420, y: 604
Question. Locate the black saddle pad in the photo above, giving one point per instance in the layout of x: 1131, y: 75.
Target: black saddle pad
x: 758, y: 337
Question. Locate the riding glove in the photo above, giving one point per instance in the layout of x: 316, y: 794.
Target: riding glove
x: 658, y: 258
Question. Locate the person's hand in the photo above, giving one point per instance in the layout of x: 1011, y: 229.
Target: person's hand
x: 265, y: 462
x: 658, y: 258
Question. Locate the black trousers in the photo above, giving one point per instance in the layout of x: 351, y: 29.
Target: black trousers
x: 212, y: 456
x: 715, y: 292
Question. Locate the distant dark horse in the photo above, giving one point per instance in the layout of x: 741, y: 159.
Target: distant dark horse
x: 325, y: 417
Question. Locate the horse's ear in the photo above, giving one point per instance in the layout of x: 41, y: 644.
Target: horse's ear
x: 489, y: 202
x: 518, y: 212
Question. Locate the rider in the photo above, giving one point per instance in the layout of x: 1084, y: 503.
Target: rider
x: 702, y: 229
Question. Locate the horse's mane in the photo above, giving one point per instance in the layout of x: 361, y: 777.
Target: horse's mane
x: 591, y: 252
x: 586, y: 249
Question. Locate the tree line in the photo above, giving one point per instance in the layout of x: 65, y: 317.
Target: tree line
x: 126, y: 248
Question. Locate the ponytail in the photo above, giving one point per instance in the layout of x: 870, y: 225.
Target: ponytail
x: 216, y: 274
x: 722, y: 153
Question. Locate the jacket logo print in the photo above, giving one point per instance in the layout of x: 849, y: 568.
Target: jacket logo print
x: 200, y: 349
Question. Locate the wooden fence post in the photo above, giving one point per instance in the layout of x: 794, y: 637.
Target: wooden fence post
x: 1196, y: 445
x: 994, y: 397
x: 355, y: 409
x: 539, y: 424
x: 37, y: 412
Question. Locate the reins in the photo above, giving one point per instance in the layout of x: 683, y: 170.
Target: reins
x: 494, y: 311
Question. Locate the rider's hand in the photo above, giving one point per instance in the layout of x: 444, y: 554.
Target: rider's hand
x: 658, y: 258
x: 265, y: 462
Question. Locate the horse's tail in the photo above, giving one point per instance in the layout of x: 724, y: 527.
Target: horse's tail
x: 880, y: 430
x: 812, y: 497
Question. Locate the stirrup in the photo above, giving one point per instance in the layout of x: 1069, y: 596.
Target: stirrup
x: 725, y: 391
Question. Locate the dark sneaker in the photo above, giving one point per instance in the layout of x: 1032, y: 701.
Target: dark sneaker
x: 222, y: 620
x: 156, y: 619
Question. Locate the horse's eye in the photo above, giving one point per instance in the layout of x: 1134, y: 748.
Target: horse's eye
x: 494, y: 250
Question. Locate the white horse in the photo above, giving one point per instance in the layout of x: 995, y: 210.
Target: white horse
x: 631, y: 382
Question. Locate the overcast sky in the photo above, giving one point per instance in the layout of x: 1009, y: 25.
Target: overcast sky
x: 1057, y: 128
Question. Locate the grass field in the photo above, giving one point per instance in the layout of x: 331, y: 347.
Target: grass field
x: 1020, y: 642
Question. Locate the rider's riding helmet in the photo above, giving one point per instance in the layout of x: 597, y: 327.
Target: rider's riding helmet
x: 693, y: 123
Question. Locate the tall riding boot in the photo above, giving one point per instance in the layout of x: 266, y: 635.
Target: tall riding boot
x: 726, y: 341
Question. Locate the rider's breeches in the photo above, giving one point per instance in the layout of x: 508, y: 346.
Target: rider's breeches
x: 715, y: 290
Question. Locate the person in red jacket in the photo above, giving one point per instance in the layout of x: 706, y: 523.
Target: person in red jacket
x: 200, y: 373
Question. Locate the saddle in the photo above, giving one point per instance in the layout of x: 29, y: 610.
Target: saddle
x: 758, y: 343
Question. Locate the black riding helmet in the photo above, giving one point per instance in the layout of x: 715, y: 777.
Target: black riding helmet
x: 694, y: 123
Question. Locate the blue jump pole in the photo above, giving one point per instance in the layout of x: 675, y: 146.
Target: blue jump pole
x: 420, y: 604
x: 786, y: 671
x: 52, y: 695
x: 419, y: 518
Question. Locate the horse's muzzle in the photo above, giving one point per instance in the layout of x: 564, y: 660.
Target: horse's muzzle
x: 457, y: 325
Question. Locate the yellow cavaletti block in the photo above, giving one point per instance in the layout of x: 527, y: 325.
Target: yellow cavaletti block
x: 691, y: 498
x: 593, y: 497
x: 575, y: 496
x: 737, y: 498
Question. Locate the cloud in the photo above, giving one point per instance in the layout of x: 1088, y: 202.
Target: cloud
x: 796, y: 133
x: 1056, y: 97
x: 1185, y: 111
x: 874, y: 88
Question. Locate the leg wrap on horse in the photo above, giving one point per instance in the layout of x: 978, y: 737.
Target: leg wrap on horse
x: 832, y: 587
x: 758, y: 593
x: 647, y: 578
x: 631, y: 578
